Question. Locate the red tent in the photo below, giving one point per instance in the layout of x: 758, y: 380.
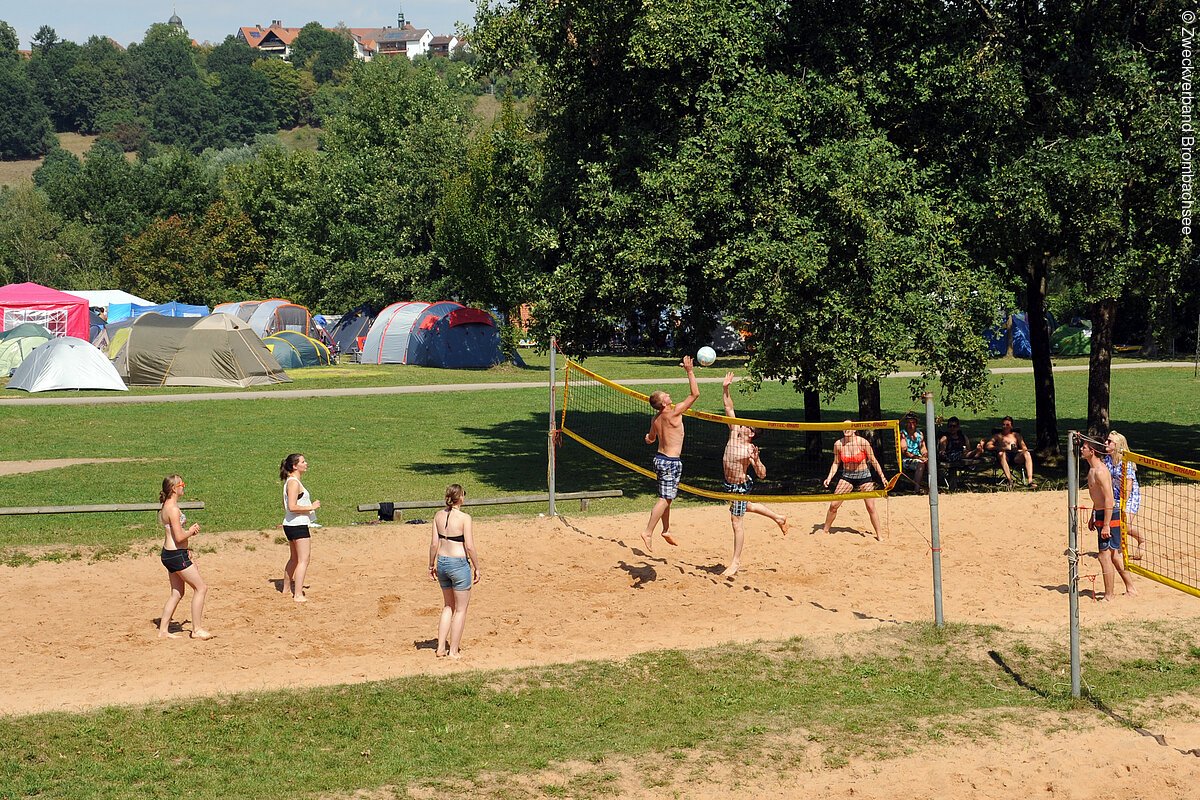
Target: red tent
x: 58, y: 312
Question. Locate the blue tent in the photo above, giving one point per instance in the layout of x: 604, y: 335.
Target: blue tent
x: 120, y: 311
x: 443, y: 334
x: 998, y: 339
x: 173, y: 309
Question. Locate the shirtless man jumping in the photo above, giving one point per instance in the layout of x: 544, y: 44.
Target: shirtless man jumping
x: 1106, y: 521
x: 667, y: 429
x: 740, y: 455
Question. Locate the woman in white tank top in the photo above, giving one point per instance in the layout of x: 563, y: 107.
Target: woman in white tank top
x: 298, y: 513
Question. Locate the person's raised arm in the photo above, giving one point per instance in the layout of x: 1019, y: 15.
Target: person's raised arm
x: 729, y: 412
x: 694, y: 388
x: 469, y: 544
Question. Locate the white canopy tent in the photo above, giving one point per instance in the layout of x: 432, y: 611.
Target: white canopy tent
x: 103, y: 298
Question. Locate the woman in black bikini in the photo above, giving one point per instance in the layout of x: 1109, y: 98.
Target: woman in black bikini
x: 177, y: 559
x: 855, y: 457
x: 454, y: 565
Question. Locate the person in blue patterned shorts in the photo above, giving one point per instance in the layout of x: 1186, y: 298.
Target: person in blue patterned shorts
x: 667, y: 429
x: 741, y: 454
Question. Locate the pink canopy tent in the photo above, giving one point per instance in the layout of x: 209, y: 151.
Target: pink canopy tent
x: 58, y: 312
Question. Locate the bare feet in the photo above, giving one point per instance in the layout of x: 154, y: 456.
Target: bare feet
x: 783, y: 526
x: 455, y: 656
x: 670, y: 539
x: 439, y: 653
x: 300, y: 598
x: 287, y: 587
x: 731, y: 570
x: 201, y: 634
x: 167, y: 635
x: 649, y: 540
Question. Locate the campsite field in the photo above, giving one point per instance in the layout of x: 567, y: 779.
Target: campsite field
x: 592, y: 668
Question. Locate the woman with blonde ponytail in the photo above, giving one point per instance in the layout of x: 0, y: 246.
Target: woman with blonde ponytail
x: 177, y: 559
x: 455, y: 566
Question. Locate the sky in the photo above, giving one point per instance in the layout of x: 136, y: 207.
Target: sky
x: 213, y: 20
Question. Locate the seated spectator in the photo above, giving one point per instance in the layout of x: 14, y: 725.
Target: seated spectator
x: 1009, y: 446
x: 954, y: 447
x: 914, y: 454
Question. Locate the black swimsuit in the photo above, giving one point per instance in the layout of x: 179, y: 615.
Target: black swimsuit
x: 460, y: 538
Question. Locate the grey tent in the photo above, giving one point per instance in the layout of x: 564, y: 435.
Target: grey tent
x: 66, y: 363
x: 217, y: 350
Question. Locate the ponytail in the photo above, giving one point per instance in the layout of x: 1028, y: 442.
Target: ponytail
x: 454, y: 495
x: 168, y: 487
x: 288, y: 464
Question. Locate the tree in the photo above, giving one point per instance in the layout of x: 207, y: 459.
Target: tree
x: 98, y: 88
x: 10, y: 45
x: 186, y: 113
x: 25, y: 130
x: 49, y: 71
x: 209, y: 259
x: 484, y: 228
x: 245, y: 103
x: 291, y: 89
x: 321, y: 51
x: 164, y: 56
x: 44, y: 39
x: 37, y: 244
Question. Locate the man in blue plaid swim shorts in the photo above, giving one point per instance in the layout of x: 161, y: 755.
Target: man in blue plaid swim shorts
x: 741, y: 454
x: 667, y: 429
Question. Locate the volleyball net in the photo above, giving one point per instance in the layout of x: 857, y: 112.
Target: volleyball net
x: 612, y: 420
x: 1167, y: 516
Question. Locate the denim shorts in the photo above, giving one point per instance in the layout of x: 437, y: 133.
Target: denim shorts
x: 454, y: 573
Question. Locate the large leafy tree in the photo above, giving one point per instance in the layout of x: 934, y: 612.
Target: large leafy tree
x: 692, y: 161
x: 356, y: 222
x: 37, y: 244
x: 25, y: 129
x: 485, y: 229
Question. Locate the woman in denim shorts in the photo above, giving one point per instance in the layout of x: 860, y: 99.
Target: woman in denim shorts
x: 455, y: 566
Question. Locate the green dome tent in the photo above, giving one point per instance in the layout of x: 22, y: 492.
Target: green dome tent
x: 293, y: 349
x: 18, y: 343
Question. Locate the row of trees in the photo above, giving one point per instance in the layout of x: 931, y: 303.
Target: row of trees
x: 165, y: 89
x: 854, y: 201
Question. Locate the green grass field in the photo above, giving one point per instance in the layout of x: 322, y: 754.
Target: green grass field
x: 364, y: 449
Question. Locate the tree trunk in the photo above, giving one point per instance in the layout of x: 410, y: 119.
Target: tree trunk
x: 812, y: 413
x: 1046, y: 445
x: 868, y: 408
x: 868, y: 400
x: 1104, y: 318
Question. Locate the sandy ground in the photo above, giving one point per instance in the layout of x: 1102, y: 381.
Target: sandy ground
x: 78, y: 635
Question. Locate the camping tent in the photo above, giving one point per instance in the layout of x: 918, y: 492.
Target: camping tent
x: 1071, y: 340
x: 66, y: 363
x: 217, y: 350
x: 120, y: 311
x: 17, y: 344
x: 271, y: 316
x: 112, y: 299
x: 443, y: 334
x: 351, y: 327
x: 58, y: 312
x: 292, y: 350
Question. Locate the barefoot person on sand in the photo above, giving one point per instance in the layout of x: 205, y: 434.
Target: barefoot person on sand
x: 667, y: 429
x: 741, y: 454
x: 455, y: 566
x: 854, y: 457
x: 1106, y: 521
x: 177, y: 559
x: 298, y: 510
